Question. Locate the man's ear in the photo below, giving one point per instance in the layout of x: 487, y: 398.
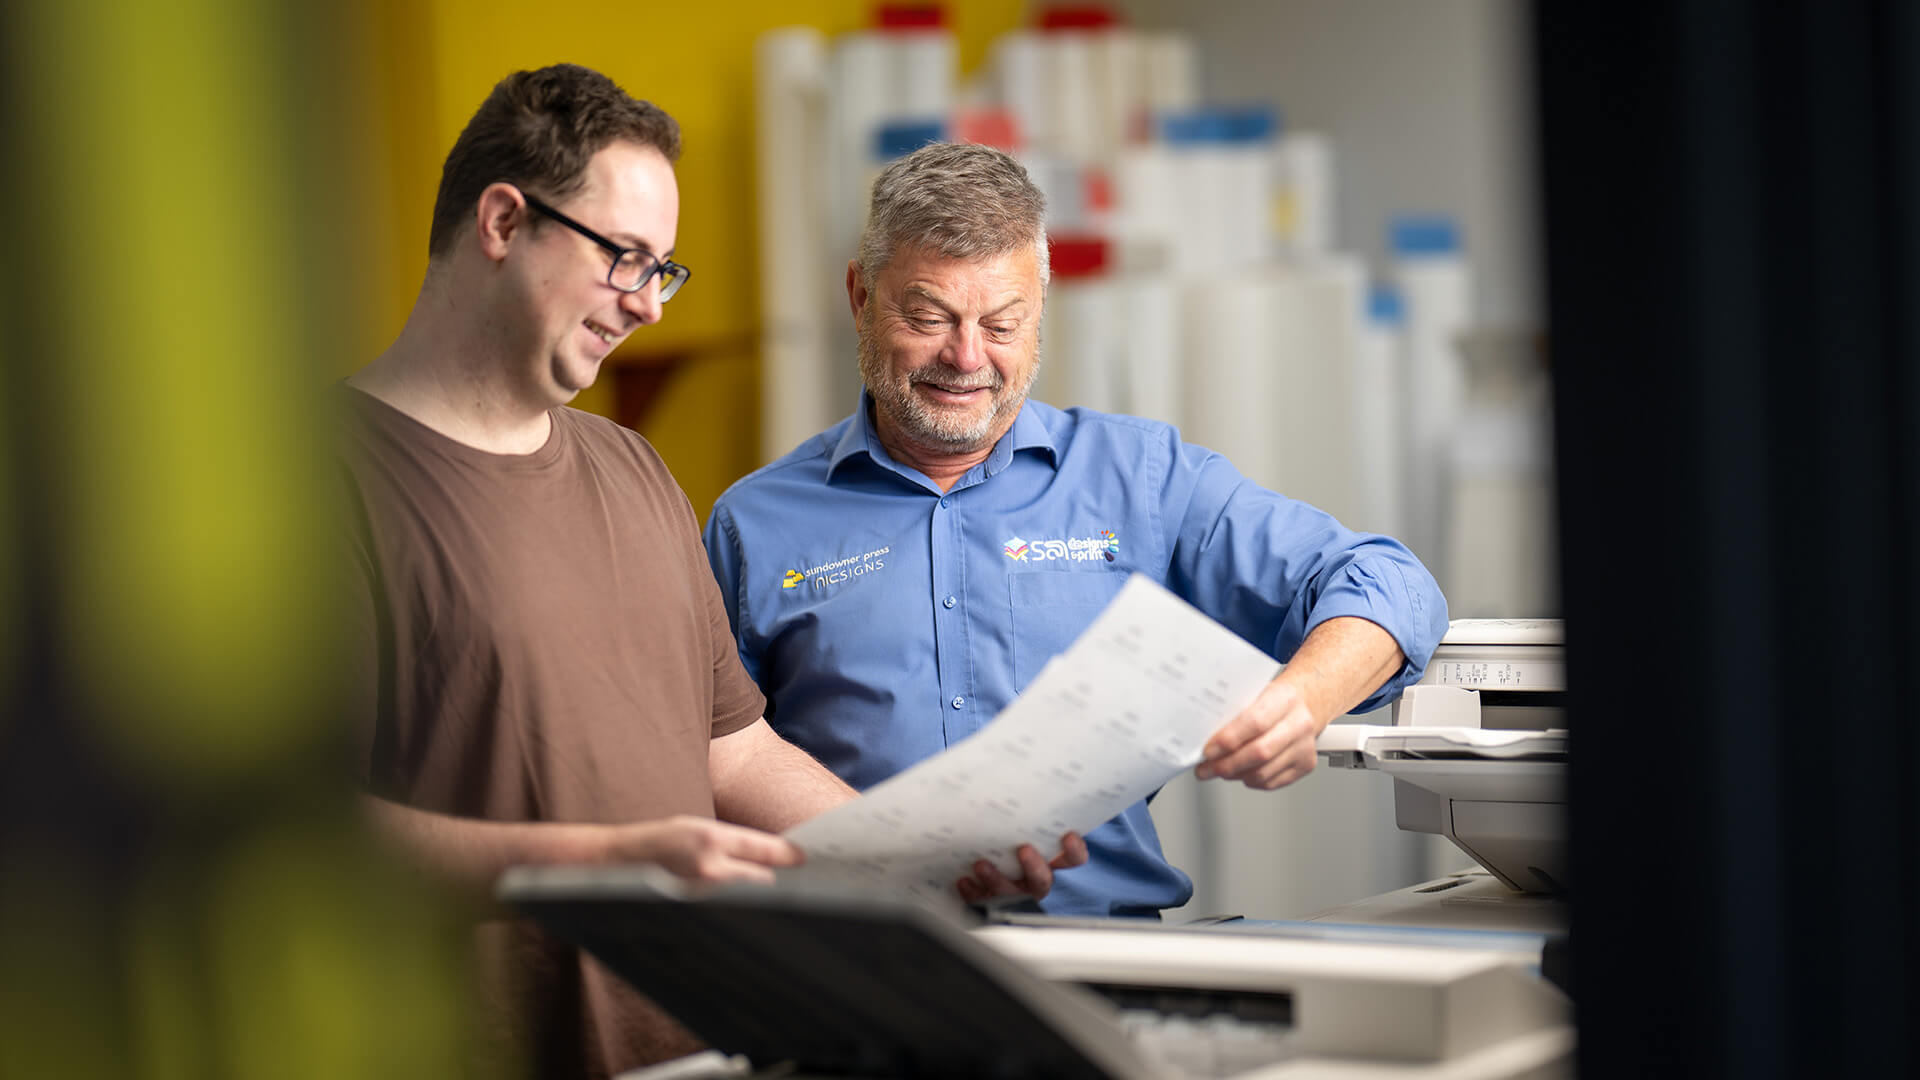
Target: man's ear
x: 499, y: 216
x: 856, y: 289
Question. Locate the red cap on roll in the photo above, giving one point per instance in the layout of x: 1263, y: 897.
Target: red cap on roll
x: 910, y: 17
x: 995, y: 127
x: 1078, y: 17
x: 1077, y: 256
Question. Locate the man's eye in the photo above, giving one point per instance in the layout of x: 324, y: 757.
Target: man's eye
x: 1002, y: 332
x: 928, y: 322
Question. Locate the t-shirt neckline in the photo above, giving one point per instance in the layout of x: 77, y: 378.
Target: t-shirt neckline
x: 548, y: 453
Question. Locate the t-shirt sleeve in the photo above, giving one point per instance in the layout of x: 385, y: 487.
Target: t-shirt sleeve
x: 736, y: 700
x: 354, y: 577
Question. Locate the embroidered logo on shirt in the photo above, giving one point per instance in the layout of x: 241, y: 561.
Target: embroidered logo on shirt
x: 1074, y: 548
x: 839, y: 570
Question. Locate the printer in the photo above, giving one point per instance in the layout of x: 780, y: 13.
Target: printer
x: 800, y: 983
x: 1444, y: 982
x: 1477, y: 750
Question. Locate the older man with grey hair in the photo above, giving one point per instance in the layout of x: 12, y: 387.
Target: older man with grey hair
x: 889, y: 584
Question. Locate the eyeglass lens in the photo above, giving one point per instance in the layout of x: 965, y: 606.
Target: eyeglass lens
x: 635, y: 267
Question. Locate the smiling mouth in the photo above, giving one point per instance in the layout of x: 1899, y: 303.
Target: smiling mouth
x: 604, y: 334
x: 955, y: 390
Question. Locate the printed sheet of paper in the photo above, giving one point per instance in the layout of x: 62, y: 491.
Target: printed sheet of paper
x: 1125, y: 709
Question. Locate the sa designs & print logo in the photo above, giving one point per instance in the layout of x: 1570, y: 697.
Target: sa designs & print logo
x: 1105, y: 545
x: 838, y: 571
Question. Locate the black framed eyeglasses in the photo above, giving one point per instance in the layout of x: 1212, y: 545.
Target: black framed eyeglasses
x: 632, y: 267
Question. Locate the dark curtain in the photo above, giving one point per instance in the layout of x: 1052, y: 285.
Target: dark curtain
x: 1732, y: 215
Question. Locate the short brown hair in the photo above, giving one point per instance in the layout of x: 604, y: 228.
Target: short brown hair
x: 538, y: 130
x: 962, y: 201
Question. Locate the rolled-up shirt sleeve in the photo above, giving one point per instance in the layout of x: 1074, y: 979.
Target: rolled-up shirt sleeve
x: 1272, y: 568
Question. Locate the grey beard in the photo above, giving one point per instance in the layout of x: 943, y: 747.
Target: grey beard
x: 922, y: 425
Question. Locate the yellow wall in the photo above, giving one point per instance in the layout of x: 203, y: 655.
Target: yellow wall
x: 438, y: 60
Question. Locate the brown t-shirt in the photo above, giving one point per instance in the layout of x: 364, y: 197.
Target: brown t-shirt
x: 544, y: 642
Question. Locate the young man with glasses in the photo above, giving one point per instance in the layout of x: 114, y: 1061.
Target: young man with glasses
x: 547, y: 671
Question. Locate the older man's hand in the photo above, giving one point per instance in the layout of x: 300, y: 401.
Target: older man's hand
x: 1270, y: 744
x: 1036, y: 879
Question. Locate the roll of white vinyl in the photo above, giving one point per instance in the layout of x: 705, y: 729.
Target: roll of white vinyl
x: 1437, y: 291
x: 1080, y: 345
x: 1303, y: 196
x: 1073, y: 123
x: 1063, y: 183
x: 1226, y: 345
x: 1148, y: 328
x: 861, y: 100
x: 1379, y: 424
x: 1020, y: 83
x: 1315, y: 328
x: 1147, y: 209
x: 1500, y: 539
x: 924, y: 74
x: 1203, y: 227
x: 790, y: 103
x: 879, y: 77
x: 792, y: 137
x: 1245, y: 176
x: 1170, y: 69
x: 796, y: 363
x: 1119, y: 88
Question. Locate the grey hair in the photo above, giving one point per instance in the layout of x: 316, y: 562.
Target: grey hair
x: 960, y: 200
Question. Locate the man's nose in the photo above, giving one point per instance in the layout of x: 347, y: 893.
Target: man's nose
x: 966, y: 348
x: 644, y: 303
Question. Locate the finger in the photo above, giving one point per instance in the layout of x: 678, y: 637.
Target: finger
x: 714, y: 868
x: 1273, y: 743
x: 1236, y: 733
x: 760, y: 847
x: 1073, y: 852
x: 738, y: 870
x: 1037, y: 879
x: 991, y: 881
x: 969, y: 891
x: 1275, y: 701
x: 1287, y: 769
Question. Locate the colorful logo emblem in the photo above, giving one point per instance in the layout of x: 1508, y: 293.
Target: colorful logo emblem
x: 1071, y: 549
x: 793, y: 579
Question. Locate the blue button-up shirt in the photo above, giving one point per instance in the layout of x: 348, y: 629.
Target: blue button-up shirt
x: 886, y: 620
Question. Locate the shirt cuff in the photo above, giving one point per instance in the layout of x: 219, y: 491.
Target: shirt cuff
x: 1377, y: 590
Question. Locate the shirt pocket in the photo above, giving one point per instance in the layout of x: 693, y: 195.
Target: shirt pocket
x: 1049, y: 611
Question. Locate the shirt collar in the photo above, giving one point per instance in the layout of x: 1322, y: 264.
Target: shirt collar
x: 1028, y: 432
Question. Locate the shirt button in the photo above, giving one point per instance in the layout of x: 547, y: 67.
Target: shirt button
x: 958, y: 701
x: 949, y: 601
x: 943, y: 504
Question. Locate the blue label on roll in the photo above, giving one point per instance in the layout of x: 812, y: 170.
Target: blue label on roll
x: 1423, y: 234
x: 1384, y: 305
x: 903, y: 137
x: 1220, y: 125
